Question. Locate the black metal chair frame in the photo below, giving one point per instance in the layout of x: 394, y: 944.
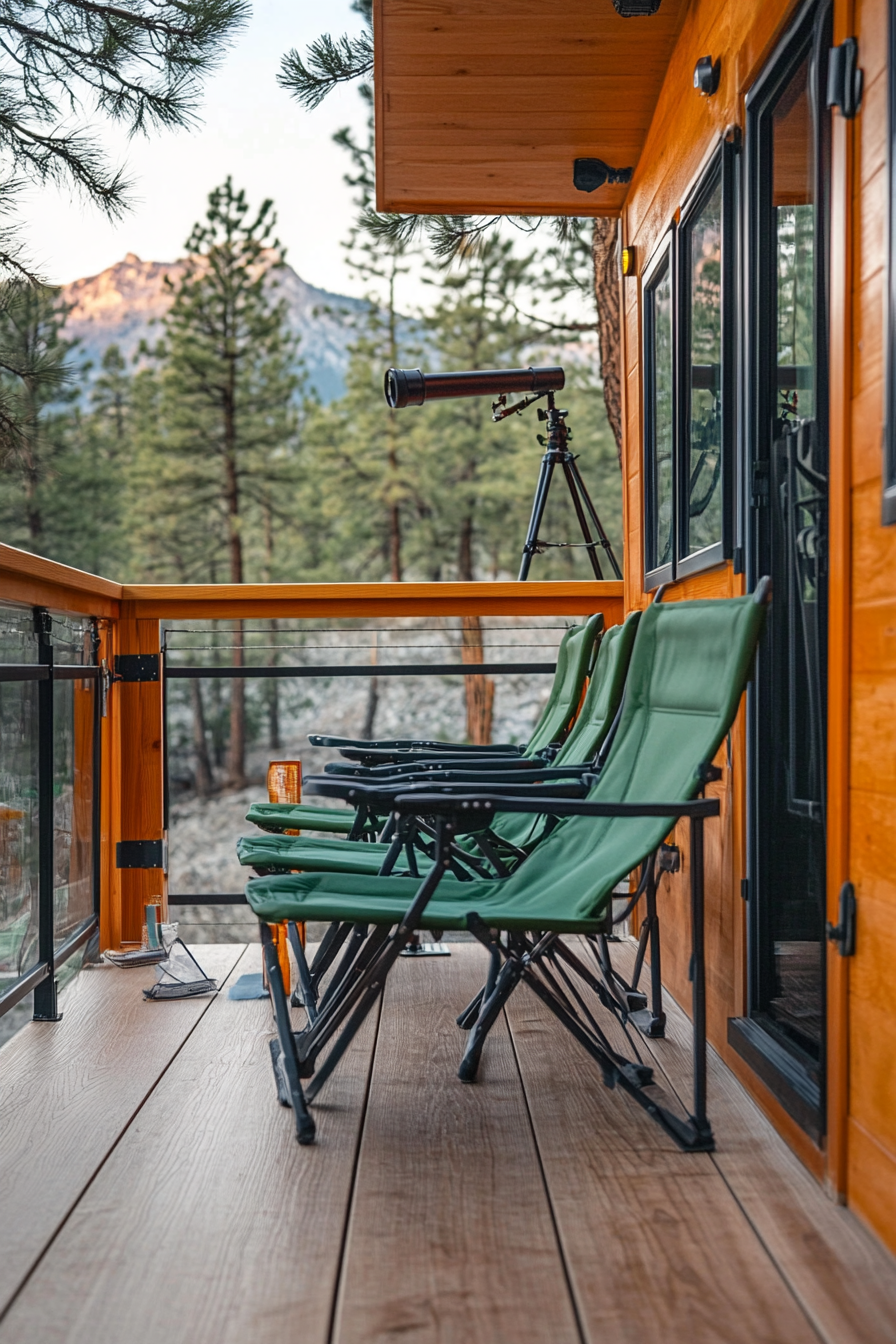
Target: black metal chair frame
x: 545, y: 961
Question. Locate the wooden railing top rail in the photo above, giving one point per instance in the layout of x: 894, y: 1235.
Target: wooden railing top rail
x: 35, y: 581
x: 342, y: 600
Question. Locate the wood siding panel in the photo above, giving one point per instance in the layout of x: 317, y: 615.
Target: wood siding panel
x: 484, y: 107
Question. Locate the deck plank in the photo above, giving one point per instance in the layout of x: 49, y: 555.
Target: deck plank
x: 655, y: 1244
x: 69, y: 1089
x: 451, y: 1236
x: 844, y: 1278
x: 208, y: 1221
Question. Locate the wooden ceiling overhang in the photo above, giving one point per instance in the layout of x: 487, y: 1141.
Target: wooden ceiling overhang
x: 482, y: 106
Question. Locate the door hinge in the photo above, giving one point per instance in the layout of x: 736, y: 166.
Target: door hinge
x: 141, y: 854
x: 845, y: 79
x: 137, y: 667
x: 844, y: 933
x: 759, y: 487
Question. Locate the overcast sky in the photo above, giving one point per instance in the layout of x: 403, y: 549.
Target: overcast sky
x: 251, y: 129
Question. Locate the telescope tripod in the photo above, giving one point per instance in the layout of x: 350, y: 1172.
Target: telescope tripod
x: 557, y: 454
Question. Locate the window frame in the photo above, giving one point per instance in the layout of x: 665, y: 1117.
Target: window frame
x: 719, y: 171
x: 663, y: 260
x: 720, y: 168
x: 888, y: 491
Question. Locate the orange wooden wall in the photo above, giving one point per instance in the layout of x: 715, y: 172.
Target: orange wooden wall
x: 859, y: 1158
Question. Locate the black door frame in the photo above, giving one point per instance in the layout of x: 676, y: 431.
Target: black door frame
x: 801, y: 1095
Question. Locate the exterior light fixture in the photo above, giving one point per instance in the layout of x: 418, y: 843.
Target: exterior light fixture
x: 629, y: 261
x: 589, y: 174
x: 636, y: 9
x: 706, y: 76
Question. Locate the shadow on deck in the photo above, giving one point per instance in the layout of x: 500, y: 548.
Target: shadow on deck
x: 152, y: 1190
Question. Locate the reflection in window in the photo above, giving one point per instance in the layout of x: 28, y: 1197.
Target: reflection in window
x: 660, y: 420
x: 793, y: 199
x: 18, y: 801
x: 704, y: 486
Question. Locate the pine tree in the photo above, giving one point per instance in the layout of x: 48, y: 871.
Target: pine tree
x: 228, y: 415
x: 35, y: 386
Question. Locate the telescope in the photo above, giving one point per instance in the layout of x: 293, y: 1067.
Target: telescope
x: 413, y: 387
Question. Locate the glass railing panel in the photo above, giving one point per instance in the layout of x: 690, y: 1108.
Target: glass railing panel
x: 18, y: 800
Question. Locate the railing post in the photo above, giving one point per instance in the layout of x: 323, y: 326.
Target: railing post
x: 45, y: 1005
x: 137, y: 779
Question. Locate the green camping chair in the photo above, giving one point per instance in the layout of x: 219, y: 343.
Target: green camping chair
x: 688, y: 669
x: 492, y: 853
x: 575, y: 657
x: 574, y: 662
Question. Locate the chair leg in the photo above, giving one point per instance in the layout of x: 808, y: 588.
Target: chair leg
x: 283, y: 1049
x: 506, y: 982
x: 466, y: 1018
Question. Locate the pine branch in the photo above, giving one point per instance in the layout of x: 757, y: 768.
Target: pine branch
x: 327, y: 62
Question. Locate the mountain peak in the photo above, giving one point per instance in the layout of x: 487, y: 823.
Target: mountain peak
x: 124, y: 304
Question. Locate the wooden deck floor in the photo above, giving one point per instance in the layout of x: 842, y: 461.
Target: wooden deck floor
x: 151, y: 1190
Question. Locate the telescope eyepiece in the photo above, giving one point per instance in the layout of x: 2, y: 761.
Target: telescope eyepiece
x: 412, y: 387
x: 404, y: 387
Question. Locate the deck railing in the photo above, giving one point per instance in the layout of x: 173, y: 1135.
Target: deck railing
x: 89, y: 846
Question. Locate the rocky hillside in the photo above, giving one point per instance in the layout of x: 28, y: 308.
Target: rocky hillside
x: 123, y: 305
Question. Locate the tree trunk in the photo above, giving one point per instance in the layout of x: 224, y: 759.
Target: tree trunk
x: 202, y: 767
x: 607, y: 298
x: 236, y: 765
x: 373, y: 696
x: 478, y: 691
x: 273, y: 687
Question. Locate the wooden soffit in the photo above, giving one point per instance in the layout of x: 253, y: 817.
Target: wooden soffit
x: 482, y: 105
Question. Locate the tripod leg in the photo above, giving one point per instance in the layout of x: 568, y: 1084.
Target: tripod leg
x: 604, y: 539
x: 545, y: 473
x: 568, y: 471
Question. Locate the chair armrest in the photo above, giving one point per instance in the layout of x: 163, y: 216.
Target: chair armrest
x: 403, y: 744
x: 384, y: 796
x: 421, y: 765
x: 518, y: 801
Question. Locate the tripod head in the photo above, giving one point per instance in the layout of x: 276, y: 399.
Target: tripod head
x: 413, y: 387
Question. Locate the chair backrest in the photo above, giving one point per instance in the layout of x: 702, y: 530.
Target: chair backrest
x: 575, y: 658
x: 688, y: 669
x: 603, y: 695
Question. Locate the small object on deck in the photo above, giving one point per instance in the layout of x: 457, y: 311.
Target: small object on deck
x: 416, y: 948
x: 180, y: 976
x: 152, y: 919
x: 249, y: 987
x: 138, y: 956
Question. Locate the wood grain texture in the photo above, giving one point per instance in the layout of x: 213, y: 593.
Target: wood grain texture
x: 35, y: 581
x: 139, y: 767
x: 660, y: 1217
x: 342, y: 600
x: 450, y: 1236
x: 843, y: 1278
x: 485, y: 107
x: 70, y: 1089
x: 208, y: 1221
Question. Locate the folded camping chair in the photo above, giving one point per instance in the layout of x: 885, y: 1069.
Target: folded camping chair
x: 511, y: 836
x: 576, y: 646
x: 688, y: 670
x: 575, y: 659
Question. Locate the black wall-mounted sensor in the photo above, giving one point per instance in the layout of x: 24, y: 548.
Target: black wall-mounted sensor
x: 589, y: 174
x: 706, y: 76
x: 636, y: 9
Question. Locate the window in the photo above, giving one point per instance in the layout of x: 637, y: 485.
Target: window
x: 688, y: 419
x: 659, y: 417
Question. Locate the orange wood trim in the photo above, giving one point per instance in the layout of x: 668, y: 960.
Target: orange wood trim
x: 138, y: 710
x: 354, y: 600
x: 839, y: 599
x: 380, y: 105
x: 37, y: 582
x: 808, y: 1153
x: 110, y: 804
